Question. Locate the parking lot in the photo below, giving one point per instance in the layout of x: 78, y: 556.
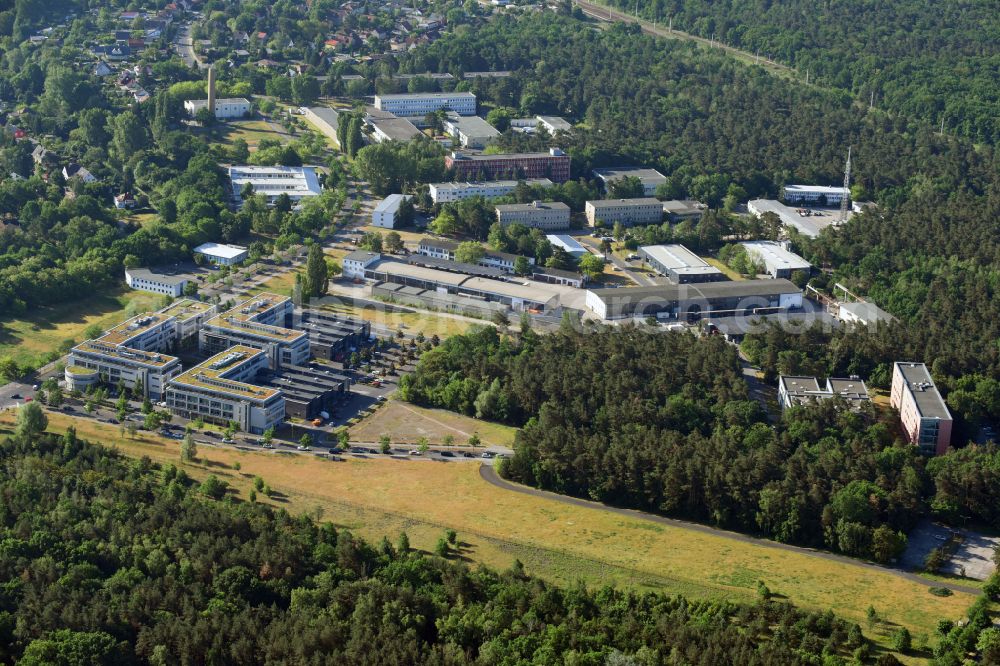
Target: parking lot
x: 972, y: 559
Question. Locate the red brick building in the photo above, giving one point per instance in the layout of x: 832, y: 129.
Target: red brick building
x: 553, y: 165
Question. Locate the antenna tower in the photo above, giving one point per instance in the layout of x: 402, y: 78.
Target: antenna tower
x: 847, y: 188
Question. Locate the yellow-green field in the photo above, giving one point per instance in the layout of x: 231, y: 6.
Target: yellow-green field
x: 554, y: 540
x: 729, y: 272
x: 27, y: 339
x: 429, y: 323
x: 406, y: 423
x: 251, y: 131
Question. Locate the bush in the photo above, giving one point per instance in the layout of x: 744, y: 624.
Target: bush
x: 940, y: 591
x: 214, y: 487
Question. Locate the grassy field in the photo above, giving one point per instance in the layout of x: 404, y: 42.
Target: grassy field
x: 429, y: 323
x: 251, y: 131
x: 142, y: 219
x: 27, y: 339
x: 730, y: 273
x: 554, y: 540
x: 408, y: 423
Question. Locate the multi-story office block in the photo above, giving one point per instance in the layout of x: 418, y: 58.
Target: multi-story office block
x: 222, y: 390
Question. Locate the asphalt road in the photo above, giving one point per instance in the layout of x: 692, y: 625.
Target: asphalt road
x: 488, y: 473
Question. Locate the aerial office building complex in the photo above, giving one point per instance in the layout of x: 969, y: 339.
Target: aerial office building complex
x: 135, y: 353
x: 259, y: 323
x: 220, y: 391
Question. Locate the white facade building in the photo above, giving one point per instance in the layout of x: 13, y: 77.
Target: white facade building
x: 356, y: 262
x: 273, y: 181
x: 814, y: 195
x: 225, y: 109
x: 387, y: 210
x: 778, y: 261
x: 222, y: 254
x: 450, y: 192
x: 144, y: 279
x: 420, y: 104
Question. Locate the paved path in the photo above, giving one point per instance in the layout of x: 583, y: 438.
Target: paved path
x: 488, y: 473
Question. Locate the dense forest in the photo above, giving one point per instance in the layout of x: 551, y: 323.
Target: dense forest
x: 664, y: 423
x: 106, y: 561
x: 931, y: 60
x: 717, y: 128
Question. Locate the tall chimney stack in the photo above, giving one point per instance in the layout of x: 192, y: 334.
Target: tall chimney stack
x: 211, y: 89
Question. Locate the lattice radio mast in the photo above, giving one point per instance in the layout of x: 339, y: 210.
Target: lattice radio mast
x: 847, y: 188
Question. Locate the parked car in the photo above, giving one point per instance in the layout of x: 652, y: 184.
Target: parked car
x: 487, y: 454
x: 34, y: 387
x: 447, y: 454
x: 317, y: 422
x: 413, y: 452
x: 226, y: 440
x: 15, y: 396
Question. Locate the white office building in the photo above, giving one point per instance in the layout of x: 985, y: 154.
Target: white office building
x: 778, y: 261
x: 814, y: 195
x: 450, y: 192
x: 222, y: 254
x: 420, y: 104
x: 221, y: 390
x: 629, y: 212
x: 225, y: 109
x: 538, y: 214
x: 273, y: 181
x: 356, y: 262
x: 145, y: 279
x: 387, y: 210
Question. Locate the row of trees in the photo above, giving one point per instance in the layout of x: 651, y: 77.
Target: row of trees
x: 663, y: 422
x: 197, y: 577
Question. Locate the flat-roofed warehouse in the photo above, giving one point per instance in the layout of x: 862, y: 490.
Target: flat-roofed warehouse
x: 778, y: 261
x: 688, y: 302
x: 513, y: 294
x: 679, y: 264
x: 307, y: 391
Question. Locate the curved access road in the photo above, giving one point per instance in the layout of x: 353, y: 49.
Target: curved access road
x: 489, y: 474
